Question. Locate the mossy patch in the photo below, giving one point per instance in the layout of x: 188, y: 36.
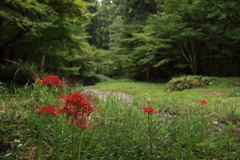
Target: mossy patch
x: 189, y: 82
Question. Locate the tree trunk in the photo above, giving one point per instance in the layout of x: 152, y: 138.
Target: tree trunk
x: 42, y: 63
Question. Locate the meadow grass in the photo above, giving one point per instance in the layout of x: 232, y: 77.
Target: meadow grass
x: 223, y: 96
x: 181, y: 129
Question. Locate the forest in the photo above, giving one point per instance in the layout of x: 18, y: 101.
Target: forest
x: 119, y: 79
x: 146, y: 40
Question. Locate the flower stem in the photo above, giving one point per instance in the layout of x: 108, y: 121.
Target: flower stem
x: 80, y: 145
x: 40, y: 136
x: 73, y: 133
x: 64, y: 151
x: 150, y: 134
x: 202, y: 127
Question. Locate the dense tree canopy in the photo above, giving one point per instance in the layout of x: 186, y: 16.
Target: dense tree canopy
x: 44, y: 34
x: 142, y: 39
x: 177, y: 37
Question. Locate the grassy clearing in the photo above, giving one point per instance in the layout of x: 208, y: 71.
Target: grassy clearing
x: 184, y: 129
x: 223, y: 96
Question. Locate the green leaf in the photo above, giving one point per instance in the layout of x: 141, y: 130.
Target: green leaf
x: 230, y: 126
x: 164, y: 61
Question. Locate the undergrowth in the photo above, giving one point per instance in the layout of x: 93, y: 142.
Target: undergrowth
x: 183, y: 127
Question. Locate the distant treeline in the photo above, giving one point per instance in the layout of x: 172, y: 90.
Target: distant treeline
x: 139, y: 39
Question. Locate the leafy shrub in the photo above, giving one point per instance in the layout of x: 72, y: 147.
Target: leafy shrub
x: 2, y: 88
x: 179, y: 84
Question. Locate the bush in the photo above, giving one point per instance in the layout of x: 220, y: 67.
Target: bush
x: 179, y: 84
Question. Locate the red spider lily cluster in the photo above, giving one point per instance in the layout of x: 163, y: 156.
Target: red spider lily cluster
x: 50, y: 81
x: 202, y: 102
x: 149, y: 110
x: 47, y: 110
x: 80, y: 123
x: 76, y: 107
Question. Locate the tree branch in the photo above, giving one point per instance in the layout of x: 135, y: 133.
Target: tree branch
x: 33, y: 42
x: 20, y: 34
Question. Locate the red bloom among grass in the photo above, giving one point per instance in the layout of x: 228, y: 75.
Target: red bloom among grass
x: 75, y: 99
x: 76, y: 105
x: 148, y: 110
x: 77, y: 108
x: 50, y: 81
x: 202, y: 102
x: 80, y: 123
x: 47, y: 109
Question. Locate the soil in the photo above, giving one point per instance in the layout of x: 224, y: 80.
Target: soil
x: 4, y: 147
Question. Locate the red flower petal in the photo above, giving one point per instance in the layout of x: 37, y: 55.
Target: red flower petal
x: 50, y: 81
x: 148, y: 110
x: 76, y: 105
x: 47, y: 109
x: 203, y: 102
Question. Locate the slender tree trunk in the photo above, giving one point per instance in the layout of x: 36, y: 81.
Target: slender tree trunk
x: 153, y: 4
x: 42, y: 63
x: 190, y: 53
x: 1, y: 56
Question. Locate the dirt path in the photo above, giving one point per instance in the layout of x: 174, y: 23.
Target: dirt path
x: 103, y: 94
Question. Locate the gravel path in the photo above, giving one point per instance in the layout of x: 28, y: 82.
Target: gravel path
x: 103, y: 94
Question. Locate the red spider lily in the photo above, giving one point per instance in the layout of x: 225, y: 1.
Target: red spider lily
x: 47, y: 109
x: 148, y: 110
x: 76, y: 105
x: 80, y: 123
x: 72, y: 111
x: 75, y: 99
x: 50, y: 81
x: 202, y: 102
x: 78, y: 108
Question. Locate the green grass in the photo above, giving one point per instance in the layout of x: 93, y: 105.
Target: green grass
x: 221, y: 94
x: 183, y: 129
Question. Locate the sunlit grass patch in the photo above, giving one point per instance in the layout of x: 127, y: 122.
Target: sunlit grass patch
x: 220, y: 92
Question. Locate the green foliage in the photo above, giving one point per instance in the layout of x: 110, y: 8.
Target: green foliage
x: 179, y: 84
x: 3, y: 88
x: 174, y: 38
x: 183, y: 129
x: 93, y: 27
x: 45, y: 34
x: 106, y: 15
x: 218, y: 91
x: 115, y: 30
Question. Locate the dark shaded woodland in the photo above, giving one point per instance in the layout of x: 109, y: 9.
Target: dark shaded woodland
x: 139, y: 39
